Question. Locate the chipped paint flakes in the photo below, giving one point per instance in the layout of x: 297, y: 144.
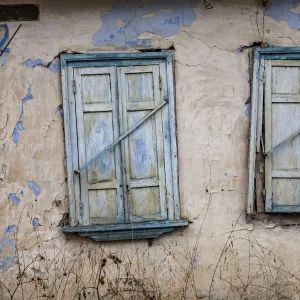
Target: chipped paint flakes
x: 60, y: 111
x: 34, y: 187
x: 247, y: 110
x: 36, y: 222
x: 53, y: 66
x: 12, y: 229
x: 19, y: 126
x: 13, y: 198
x: 163, y: 22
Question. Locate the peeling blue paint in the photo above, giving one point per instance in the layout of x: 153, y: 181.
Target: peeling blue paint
x: 25, y: 99
x: 281, y: 11
x: 247, y: 110
x: 13, y: 198
x: 30, y: 63
x: 7, y: 243
x: 4, y: 166
x: 22, y: 193
x: 19, y: 126
x: 54, y: 66
x: 8, y: 261
x: 36, y: 222
x: 225, y: 174
x: 60, y: 111
x: 34, y: 187
x: 16, y: 134
x: 165, y: 23
x: 3, y: 42
x: 12, y: 229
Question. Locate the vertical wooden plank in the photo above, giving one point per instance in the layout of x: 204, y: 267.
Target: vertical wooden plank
x: 73, y: 126
x: 81, y: 150
x: 160, y: 144
x: 260, y: 182
x: 252, y: 150
x: 260, y: 162
x: 124, y: 144
x: 66, y: 77
x: 268, y: 135
x: 260, y: 103
x: 172, y: 113
x: 118, y: 156
x: 167, y: 143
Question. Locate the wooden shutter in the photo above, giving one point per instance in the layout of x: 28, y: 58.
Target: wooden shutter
x: 143, y: 151
x: 282, y: 120
x: 101, y: 192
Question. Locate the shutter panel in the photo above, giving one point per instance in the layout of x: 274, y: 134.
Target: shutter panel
x: 282, y: 120
x: 143, y: 150
x: 97, y: 125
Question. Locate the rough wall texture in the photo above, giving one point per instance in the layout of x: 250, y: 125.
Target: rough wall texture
x: 219, y: 255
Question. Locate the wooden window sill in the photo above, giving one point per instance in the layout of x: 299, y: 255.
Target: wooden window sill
x: 132, y: 231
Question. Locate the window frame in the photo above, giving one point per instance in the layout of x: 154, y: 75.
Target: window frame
x: 148, y: 229
x: 260, y: 55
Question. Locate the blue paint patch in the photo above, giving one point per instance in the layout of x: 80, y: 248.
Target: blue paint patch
x: 3, y: 43
x: 12, y: 229
x: 24, y: 100
x: 36, y: 222
x: 225, y: 174
x: 4, y: 166
x: 131, y: 12
x: 34, y: 187
x: 19, y: 126
x: 281, y: 11
x: 16, y: 134
x: 7, y: 263
x: 30, y: 63
x: 248, y: 110
x: 13, y: 198
x: 22, y: 193
x: 7, y: 243
x: 60, y: 111
x: 54, y: 66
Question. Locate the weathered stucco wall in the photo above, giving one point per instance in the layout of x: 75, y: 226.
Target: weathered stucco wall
x: 218, y: 255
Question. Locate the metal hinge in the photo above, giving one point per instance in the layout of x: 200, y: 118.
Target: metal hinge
x: 81, y: 208
x: 160, y: 83
x: 74, y: 86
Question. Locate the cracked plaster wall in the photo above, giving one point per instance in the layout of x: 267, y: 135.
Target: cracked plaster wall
x: 212, y: 120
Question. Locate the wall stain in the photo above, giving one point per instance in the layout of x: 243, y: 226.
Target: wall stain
x: 130, y: 14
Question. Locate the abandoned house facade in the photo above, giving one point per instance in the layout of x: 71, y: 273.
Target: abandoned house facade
x: 150, y: 149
